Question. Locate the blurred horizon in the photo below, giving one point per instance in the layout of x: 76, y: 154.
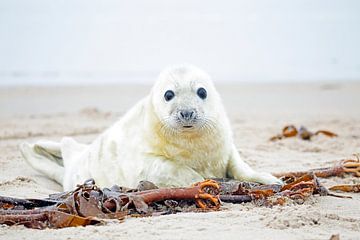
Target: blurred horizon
x: 99, y: 42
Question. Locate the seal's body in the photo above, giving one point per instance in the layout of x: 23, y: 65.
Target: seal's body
x: 178, y: 135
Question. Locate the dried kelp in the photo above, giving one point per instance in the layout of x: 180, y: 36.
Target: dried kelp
x: 346, y: 166
x: 302, y: 132
x: 295, y: 190
x: 89, y: 205
x: 355, y: 188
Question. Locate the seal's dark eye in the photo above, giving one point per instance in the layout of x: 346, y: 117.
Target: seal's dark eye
x: 201, y: 92
x: 169, y: 95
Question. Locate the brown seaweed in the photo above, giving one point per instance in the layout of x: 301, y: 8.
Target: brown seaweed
x: 89, y: 205
x: 303, y: 133
x: 346, y: 166
x: 355, y: 188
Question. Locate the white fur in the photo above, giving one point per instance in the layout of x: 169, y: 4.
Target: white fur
x: 148, y: 143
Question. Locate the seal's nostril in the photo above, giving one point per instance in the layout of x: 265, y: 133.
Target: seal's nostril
x: 191, y: 114
x: 187, y: 115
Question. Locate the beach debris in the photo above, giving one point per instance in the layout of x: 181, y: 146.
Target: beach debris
x: 346, y: 166
x: 296, y: 190
x: 303, y: 133
x: 355, y: 188
x: 89, y: 205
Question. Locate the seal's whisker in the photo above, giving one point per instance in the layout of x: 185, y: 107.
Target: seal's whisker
x: 166, y: 128
x: 209, y: 125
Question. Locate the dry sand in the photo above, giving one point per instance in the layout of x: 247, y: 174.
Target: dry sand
x: 256, y: 111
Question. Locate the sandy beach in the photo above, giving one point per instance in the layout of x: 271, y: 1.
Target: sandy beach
x: 257, y: 112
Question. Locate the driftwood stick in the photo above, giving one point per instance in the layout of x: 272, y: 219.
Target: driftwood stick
x: 236, y: 198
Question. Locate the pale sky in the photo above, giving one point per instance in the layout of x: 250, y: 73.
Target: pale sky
x: 88, y: 41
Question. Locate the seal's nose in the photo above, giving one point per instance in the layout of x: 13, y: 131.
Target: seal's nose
x: 187, y: 115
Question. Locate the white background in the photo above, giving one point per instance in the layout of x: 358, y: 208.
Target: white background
x: 89, y: 41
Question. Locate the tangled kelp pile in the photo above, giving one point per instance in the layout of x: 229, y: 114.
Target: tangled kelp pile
x: 90, y: 205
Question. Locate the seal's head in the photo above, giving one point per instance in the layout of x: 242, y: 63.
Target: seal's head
x: 185, y: 100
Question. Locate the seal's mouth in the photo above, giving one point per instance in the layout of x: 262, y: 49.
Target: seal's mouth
x: 188, y: 126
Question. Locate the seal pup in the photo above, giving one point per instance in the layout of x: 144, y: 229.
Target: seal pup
x: 178, y: 135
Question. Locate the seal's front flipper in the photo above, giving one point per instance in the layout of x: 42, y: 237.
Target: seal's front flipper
x: 239, y: 170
